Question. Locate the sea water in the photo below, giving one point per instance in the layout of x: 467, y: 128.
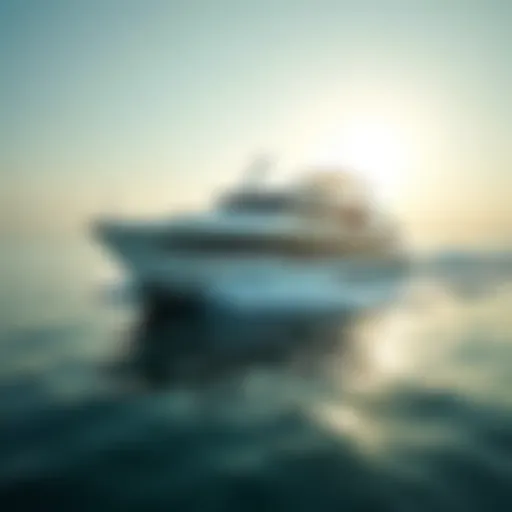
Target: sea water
x: 402, y: 408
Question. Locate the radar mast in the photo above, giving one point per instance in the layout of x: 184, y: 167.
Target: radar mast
x: 257, y: 172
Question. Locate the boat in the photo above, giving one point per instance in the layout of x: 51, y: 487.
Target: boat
x: 299, y: 245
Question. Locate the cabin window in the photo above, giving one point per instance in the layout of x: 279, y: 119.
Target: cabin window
x: 257, y: 203
x: 250, y: 246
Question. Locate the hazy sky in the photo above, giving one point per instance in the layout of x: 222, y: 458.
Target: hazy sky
x: 141, y: 106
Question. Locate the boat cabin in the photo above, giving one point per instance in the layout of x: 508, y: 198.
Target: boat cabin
x: 321, y: 196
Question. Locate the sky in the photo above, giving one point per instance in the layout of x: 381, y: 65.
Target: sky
x: 144, y: 107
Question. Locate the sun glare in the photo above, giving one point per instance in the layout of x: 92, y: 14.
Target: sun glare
x: 374, y: 148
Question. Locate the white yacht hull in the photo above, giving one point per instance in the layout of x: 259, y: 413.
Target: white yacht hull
x: 270, y: 284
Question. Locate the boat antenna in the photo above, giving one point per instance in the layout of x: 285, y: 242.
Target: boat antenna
x: 257, y: 171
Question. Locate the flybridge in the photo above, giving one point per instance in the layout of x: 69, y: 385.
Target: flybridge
x: 325, y: 192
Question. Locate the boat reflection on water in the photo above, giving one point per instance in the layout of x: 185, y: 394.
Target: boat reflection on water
x: 176, y: 346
